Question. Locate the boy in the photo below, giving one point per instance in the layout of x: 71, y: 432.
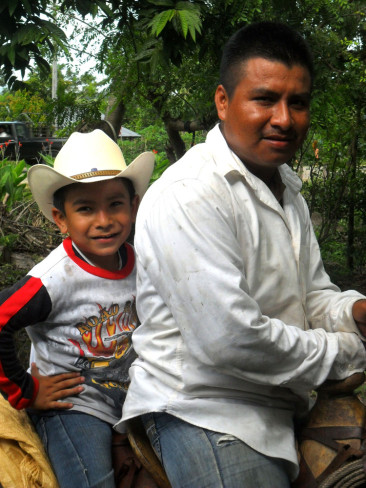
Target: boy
x: 79, y: 306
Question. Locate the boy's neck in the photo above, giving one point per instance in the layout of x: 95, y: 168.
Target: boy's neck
x: 110, y: 263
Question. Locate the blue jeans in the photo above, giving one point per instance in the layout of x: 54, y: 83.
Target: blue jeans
x: 79, y: 447
x: 198, y: 458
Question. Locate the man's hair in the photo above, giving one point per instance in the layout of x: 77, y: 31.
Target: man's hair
x: 273, y: 41
x: 60, y: 195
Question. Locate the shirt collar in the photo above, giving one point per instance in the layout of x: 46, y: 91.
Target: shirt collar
x: 227, y: 161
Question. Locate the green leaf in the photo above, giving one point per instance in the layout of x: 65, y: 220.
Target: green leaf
x: 162, y: 3
x: 54, y: 29
x: 19, y: 168
x: 27, y: 34
x: 12, y: 6
x: 104, y: 7
x: 159, y: 21
x: 84, y: 7
x: 27, y: 7
x: 190, y: 19
x: 183, y: 16
x: 11, y: 54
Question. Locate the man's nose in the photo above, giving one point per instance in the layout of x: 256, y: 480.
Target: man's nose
x: 281, y: 116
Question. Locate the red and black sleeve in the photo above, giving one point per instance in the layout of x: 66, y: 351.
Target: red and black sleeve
x: 25, y: 303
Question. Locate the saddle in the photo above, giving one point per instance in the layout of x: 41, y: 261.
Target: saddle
x: 331, y: 443
x: 134, y: 460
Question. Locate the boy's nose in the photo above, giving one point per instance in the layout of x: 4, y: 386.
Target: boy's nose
x: 103, y: 219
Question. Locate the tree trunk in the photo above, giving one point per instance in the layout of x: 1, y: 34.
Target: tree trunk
x: 112, y: 122
x: 115, y: 113
x: 351, y: 207
x: 176, y: 148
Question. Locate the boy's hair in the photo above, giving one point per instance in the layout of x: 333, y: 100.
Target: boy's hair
x: 273, y: 41
x: 60, y: 195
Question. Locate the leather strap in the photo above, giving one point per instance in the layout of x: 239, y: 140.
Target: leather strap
x: 329, y: 436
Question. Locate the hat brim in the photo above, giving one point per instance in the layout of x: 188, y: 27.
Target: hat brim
x: 44, y: 180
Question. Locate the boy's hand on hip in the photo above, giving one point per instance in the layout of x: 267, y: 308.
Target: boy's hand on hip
x: 53, y: 388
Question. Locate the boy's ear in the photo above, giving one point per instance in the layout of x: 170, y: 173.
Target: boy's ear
x: 60, y: 220
x: 134, y: 207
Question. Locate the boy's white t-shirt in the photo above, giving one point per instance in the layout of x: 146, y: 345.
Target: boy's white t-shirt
x: 82, y: 318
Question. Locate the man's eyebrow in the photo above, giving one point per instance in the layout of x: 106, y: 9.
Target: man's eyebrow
x: 267, y: 91
x: 263, y: 91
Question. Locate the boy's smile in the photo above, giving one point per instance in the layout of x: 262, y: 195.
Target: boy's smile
x: 98, y: 218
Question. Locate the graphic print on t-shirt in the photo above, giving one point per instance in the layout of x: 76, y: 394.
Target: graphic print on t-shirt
x: 105, y: 348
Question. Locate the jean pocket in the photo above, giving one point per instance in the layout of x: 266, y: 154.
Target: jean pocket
x: 226, y: 439
x: 148, y: 421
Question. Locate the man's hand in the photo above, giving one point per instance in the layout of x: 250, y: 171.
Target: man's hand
x: 359, y: 315
x: 53, y: 388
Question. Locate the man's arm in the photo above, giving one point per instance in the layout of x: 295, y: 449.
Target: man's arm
x: 326, y: 306
x: 359, y: 315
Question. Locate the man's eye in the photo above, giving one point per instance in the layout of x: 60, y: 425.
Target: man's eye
x: 264, y: 99
x: 117, y: 203
x: 300, y: 103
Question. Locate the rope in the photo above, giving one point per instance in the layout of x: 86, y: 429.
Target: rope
x: 351, y: 475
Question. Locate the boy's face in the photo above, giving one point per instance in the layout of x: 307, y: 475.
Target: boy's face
x: 98, y: 218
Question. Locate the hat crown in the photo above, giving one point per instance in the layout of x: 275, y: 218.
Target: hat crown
x: 89, y: 153
x: 87, y: 158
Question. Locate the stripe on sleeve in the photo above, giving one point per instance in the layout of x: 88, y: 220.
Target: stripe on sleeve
x: 18, y: 300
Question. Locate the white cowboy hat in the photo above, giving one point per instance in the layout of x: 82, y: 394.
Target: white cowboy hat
x: 86, y: 158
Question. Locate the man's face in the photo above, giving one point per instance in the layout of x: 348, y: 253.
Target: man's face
x: 267, y: 117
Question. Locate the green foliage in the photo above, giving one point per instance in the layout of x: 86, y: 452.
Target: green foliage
x: 161, y: 164
x: 9, y: 274
x: 184, y: 17
x: 8, y: 240
x: 12, y: 186
x: 47, y: 159
x: 14, y: 105
x: 24, y: 28
x: 77, y: 100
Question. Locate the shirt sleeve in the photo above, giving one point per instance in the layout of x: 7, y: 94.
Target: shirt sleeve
x: 26, y: 303
x: 326, y: 306
x: 190, y: 256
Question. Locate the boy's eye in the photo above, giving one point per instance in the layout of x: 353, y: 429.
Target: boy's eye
x: 83, y: 209
x: 116, y: 203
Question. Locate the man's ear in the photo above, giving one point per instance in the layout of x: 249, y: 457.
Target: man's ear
x: 60, y: 220
x: 221, y: 101
x: 134, y: 207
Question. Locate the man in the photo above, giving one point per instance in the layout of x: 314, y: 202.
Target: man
x: 3, y: 132
x: 239, y: 319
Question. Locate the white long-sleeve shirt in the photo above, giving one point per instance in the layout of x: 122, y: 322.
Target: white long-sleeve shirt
x: 239, y: 318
